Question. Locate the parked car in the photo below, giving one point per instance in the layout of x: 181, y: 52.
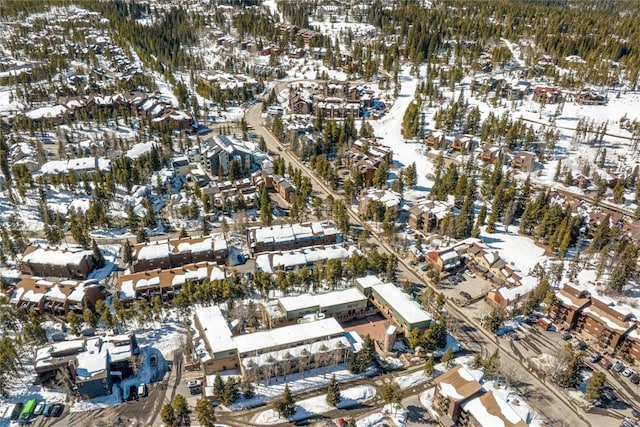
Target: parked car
x: 581, y: 345
x: 142, y: 390
x: 566, y: 336
x: 594, y: 357
x: 195, y: 390
x: 194, y: 383
x: 606, y: 363
x: 635, y: 413
x: 47, y: 410
x: 460, y: 278
x: 466, y: 295
x: 17, y: 410
x: 609, y: 394
x: 425, y: 267
x: 635, y: 379
x: 57, y: 410
x: 628, y: 372
x: 618, y: 366
x: 38, y: 410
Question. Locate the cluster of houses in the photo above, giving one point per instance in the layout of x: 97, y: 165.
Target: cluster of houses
x: 87, y: 366
x: 365, y: 157
x: 216, y: 154
x: 606, y: 323
x: 510, y: 284
x: 145, y: 106
x: 459, y: 399
x: 487, y: 152
x: 333, y: 100
x: 154, y: 108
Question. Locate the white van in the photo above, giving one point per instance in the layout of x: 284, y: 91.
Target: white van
x: 142, y: 390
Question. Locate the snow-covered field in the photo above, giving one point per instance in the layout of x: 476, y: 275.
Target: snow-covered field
x: 397, y: 415
x: 312, y: 380
x: 311, y: 407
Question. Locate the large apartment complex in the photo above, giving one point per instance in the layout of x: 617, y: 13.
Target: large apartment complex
x: 610, y: 326
x: 265, y: 354
x: 173, y: 253
x: 291, y: 236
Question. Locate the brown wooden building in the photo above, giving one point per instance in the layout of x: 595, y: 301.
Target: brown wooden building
x: 453, y: 389
x: 164, y: 254
x: 569, y: 302
x: 44, y: 261
x: 56, y: 298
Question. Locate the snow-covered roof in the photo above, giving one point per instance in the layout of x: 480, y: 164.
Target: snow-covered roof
x: 270, y: 261
x: 164, y: 248
x: 291, y: 232
x: 528, y: 284
x: 288, y: 335
x: 320, y: 301
x: 491, y: 410
x: 215, y: 328
x: 368, y: 281
x: 458, y: 383
x: 47, y: 112
x: 128, y: 284
x: 139, y: 149
x: 402, y: 303
x: 55, y: 256
x: 78, y: 165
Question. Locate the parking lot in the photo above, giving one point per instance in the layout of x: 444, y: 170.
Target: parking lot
x: 463, y: 287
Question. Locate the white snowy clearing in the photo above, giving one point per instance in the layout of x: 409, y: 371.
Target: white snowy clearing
x: 388, y: 132
x: 308, y: 408
x: 312, y: 380
x: 398, y: 416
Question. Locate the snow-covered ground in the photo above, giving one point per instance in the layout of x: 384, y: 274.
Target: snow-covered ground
x: 388, y: 131
x: 311, y: 407
x: 312, y: 380
x: 397, y: 415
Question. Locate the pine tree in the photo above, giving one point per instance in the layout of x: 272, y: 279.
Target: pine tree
x: 183, y: 233
x: 141, y: 236
x: 429, y: 365
x: 595, y: 385
x: 333, y: 392
x: 447, y: 358
x: 247, y: 387
x: 218, y: 386
x: 180, y: 409
x: 206, y: 413
x: 231, y: 392
x: 127, y: 255
x: 492, y: 365
x: 285, y: 405
x: 98, y: 258
x: 266, y: 208
x: 167, y: 415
